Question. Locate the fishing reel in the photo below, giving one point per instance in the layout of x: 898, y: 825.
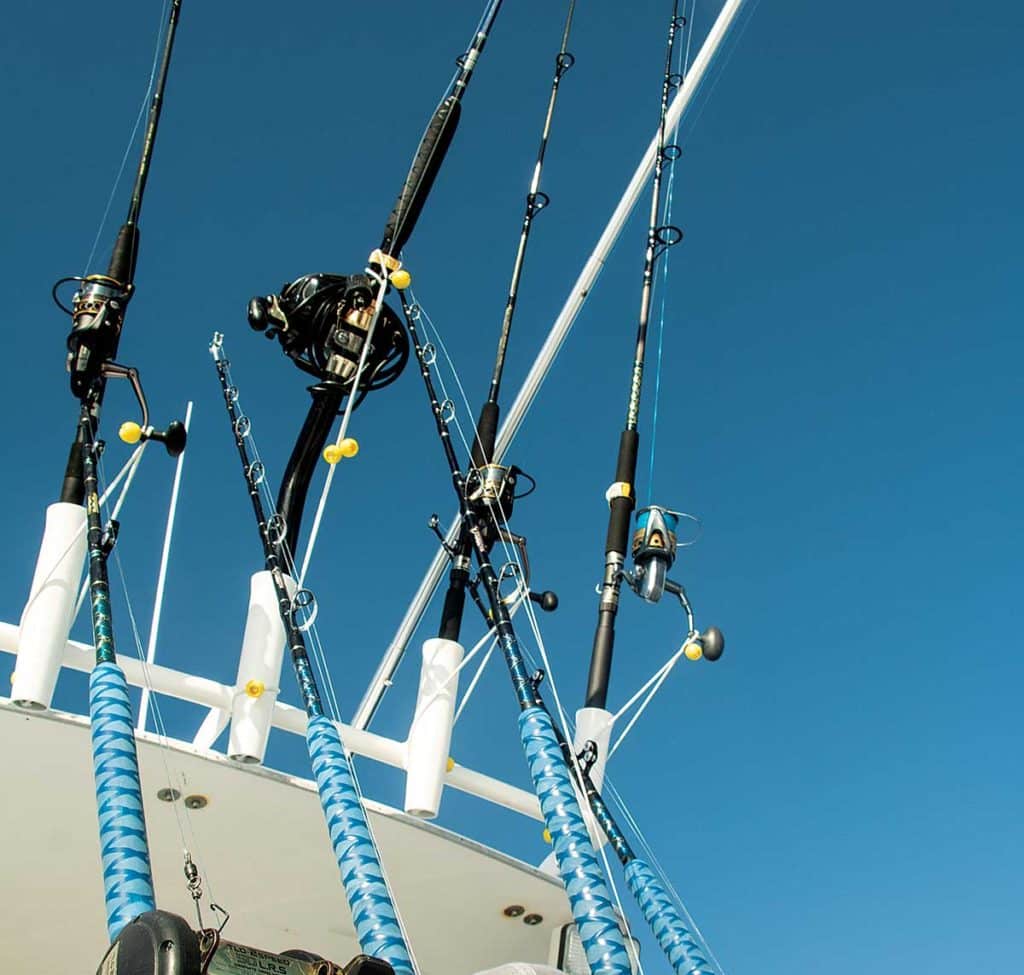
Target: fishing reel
x: 97, y: 316
x: 161, y: 943
x: 654, y: 549
x: 322, y: 322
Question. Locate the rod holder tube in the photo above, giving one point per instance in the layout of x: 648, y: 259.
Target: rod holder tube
x: 46, y: 619
x: 595, y: 724
x: 578, y: 865
x: 373, y: 913
x: 431, y: 733
x: 127, y: 875
x: 259, y: 671
x: 676, y: 940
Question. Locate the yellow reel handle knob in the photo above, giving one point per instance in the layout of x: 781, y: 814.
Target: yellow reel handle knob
x: 401, y: 279
x: 693, y: 650
x: 334, y: 452
x: 130, y: 432
x: 255, y: 688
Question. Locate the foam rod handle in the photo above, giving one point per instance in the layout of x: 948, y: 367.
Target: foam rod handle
x: 578, y: 865
x: 366, y: 890
x: 418, y: 183
x: 679, y: 945
x: 127, y: 876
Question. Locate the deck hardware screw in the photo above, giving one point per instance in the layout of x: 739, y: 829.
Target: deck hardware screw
x: 168, y: 795
x: 514, y: 910
x: 196, y: 802
x: 532, y: 919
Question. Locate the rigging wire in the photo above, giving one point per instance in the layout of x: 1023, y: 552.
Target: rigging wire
x: 143, y: 108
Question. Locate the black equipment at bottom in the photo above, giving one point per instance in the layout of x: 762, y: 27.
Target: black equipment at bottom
x: 160, y: 943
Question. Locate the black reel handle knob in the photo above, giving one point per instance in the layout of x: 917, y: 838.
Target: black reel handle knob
x: 258, y: 314
x: 547, y: 600
x: 713, y: 642
x: 173, y: 438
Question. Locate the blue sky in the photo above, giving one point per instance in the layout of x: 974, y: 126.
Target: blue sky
x: 839, y: 405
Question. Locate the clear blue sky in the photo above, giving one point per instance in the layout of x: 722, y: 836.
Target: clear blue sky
x: 840, y: 404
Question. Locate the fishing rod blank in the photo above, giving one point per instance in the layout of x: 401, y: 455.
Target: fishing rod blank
x: 495, y: 484
x: 324, y: 321
x: 366, y: 889
x: 581, y: 290
x: 97, y: 312
x: 578, y: 864
x: 655, y: 543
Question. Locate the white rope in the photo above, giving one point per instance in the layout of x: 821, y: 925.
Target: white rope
x: 313, y: 642
x: 314, y: 533
x: 512, y: 556
x: 659, y: 678
x: 476, y: 679
x: 129, y: 469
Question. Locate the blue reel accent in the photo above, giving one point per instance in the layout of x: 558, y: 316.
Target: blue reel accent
x: 127, y: 876
x: 358, y: 859
x: 684, y: 954
x: 671, y: 520
x: 577, y: 863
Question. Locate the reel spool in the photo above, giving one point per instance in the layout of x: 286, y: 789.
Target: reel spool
x: 654, y: 550
x: 322, y: 320
x: 97, y: 317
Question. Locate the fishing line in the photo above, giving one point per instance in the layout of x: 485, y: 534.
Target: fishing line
x: 164, y: 748
x: 703, y: 97
x: 653, y: 860
x: 682, y: 65
x: 318, y: 653
x: 129, y: 469
x: 131, y: 139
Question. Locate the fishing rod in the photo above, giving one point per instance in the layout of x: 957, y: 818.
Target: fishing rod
x: 553, y: 763
x: 366, y: 889
x: 655, y: 543
x: 493, y: 484
x: 578, y: 864
x: 677, y: 941
x: 581, y: 290
x: 97, y: 318
x: 337, y: 328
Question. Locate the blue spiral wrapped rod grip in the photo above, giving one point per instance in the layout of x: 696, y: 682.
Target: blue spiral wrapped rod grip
x: 577, y: 863
x: 372, y: 911
x: 127, y: 877
x: 675, y: 938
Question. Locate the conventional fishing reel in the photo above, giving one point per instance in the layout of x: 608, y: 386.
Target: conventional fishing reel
x: 161, y: 943
x: 323, y: 323
x: 654, y: 549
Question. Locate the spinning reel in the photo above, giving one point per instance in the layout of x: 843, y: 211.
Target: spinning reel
x: 654, y: 551
x: 97, y: 317
x: 322, y: 322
